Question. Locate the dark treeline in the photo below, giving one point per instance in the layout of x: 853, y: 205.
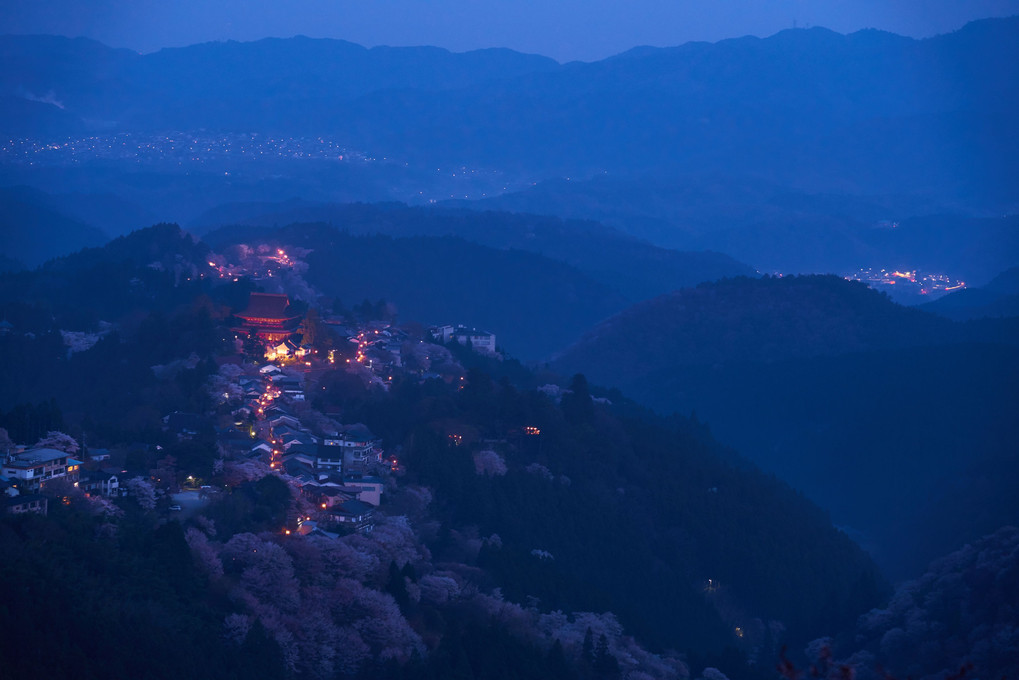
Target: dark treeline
x: 139, y: 302
x: 123, y: 606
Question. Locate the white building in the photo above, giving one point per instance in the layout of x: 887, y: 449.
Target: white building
x: 29, y: 470
x: 480, y: 341
x: 357, y: 447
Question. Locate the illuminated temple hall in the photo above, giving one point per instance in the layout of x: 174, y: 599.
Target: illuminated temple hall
x: 269, y: 316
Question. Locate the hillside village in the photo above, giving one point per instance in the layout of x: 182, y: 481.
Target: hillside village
x: 268, y: 423
x: 339, y: 471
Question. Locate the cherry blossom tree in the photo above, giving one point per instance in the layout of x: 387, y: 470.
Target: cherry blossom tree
x: 60, y: 441
x: 240, y: 471
x: 489, y: 463
x: 142, y: 491
x: 203, y: 553
x: 266, y: 571
x: 439, y: 587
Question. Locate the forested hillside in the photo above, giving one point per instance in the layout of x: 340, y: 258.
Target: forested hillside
x: 497, y: 523
x: 632, y: 266
x: 839, y: 391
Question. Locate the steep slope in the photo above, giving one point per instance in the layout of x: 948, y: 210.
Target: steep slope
x: 608, y: 508
x: 613, y: 508
x: 950, y: 620
x: 840, y: 392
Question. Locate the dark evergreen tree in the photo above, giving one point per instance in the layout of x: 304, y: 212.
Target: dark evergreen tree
x: 558, y: 666
x: 606, y: 667
x: 397, y: 586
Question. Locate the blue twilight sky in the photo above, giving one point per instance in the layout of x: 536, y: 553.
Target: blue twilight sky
x: 562, y: 29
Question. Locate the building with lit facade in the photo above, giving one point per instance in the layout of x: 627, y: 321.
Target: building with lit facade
x: 28, y: 471
x: 269, y: 316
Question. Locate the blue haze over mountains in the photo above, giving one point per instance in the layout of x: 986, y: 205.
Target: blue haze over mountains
x: 784, y: 152
x: 618, y: 218
x: 792, y: 153
x: 809, y: 107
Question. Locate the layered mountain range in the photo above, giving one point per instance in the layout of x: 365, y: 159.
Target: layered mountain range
x: 869, y: 111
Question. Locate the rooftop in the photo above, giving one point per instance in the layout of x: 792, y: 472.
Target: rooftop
x: 352, y: 508
x: 38, y: 456
x: 268, y: 306
x: 473, y: 332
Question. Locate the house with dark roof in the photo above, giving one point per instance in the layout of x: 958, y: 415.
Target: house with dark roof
x: 328, y: 496
x: 300, y: 470
x: 100, y: 483
x: 233, y: 440
x: 260, y: 447
x: 280, y: 419
x: 353, y: 515
x: 360, y: 448
x: 303, y: 439
x: 98, y: 454
x: 328, y: 458
x: 185, y: 425
x: 28, y: 471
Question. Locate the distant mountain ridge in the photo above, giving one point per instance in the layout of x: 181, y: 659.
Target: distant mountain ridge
x: 740, y: 320
x: 91, y: 80
x: 999, y: 298
x: 779, y: 229
x: 807, y: 107
x: 636, y: 269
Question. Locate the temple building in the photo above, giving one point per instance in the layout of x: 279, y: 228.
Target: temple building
x: 269, y: 316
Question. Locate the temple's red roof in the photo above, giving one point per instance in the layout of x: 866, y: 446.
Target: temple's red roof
x: 268, y: 306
